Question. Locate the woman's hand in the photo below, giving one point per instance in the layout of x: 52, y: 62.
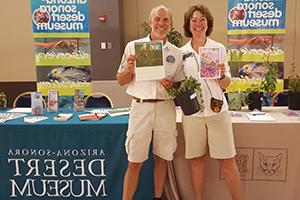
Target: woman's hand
x: 224, y: 81
x: 221, y: 67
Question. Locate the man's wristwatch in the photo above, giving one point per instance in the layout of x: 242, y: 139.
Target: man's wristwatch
x: 222, y: 77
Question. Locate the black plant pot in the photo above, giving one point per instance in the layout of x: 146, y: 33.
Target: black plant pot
x: 294, y: 100
x: 188, y: 102
x: 255, y: 100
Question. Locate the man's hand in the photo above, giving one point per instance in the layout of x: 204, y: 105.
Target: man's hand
x: 166, y: 82
x: 126, y: 75
x: 130, y: 63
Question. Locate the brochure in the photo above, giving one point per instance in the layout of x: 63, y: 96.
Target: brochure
x: 37, y: 107
x: 118, y: 112
x: 292, y: 113
x: 34, y: 119
x: 52, y: 101
x: 20, y: 110
x: 99, y: 111
x: 209, y: 58
x: 93, y: 116
x: 10, y: 116
x: 149, y: 60
x: 256, y: 116
x: 63, y: 117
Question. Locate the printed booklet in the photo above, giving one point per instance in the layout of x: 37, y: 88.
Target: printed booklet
x: 149, y: 60
x: 209, y: 58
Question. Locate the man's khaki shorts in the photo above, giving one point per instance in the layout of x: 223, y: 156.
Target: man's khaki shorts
x: 213, y: 131
x: 151, y: 121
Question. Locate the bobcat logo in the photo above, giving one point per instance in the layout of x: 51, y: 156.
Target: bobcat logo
x: 269, y: 164
x: 242, y: 163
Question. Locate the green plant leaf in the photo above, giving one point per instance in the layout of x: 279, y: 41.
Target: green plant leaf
x: 188, y: 84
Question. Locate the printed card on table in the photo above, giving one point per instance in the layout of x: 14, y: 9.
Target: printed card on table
x: 209, y: 58
x: 37, y: 106
x: 149, y: 60
x: 52, y: 101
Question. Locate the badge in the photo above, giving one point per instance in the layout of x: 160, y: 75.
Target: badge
x: 170, y: 59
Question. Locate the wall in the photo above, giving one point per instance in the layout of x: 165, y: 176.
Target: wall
x: 16, y: 42
x: 16, y: 49
x: 110, y: 33
x: 297, y: 37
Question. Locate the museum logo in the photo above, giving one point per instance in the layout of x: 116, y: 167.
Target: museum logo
x: 60, y: 173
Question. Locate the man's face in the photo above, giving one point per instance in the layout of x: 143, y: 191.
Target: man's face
x: 160, y: 24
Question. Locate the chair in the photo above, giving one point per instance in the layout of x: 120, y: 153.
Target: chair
x: 98, y: 100
x: 24, y: 100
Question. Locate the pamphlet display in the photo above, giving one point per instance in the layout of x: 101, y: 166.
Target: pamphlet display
x: 79, y: 101
x: 37, y: 107
x: 52, y: 101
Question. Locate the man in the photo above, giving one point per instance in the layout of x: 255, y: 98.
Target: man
x: 153, y: 115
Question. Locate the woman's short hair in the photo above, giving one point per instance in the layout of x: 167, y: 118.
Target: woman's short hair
x: 205, y: 12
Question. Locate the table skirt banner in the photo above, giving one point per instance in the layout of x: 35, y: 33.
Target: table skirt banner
x: 66, y: 162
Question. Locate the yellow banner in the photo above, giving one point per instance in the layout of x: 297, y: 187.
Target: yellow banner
x: 242, y: 84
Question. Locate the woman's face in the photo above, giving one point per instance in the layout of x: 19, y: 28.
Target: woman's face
x: 198, y: 24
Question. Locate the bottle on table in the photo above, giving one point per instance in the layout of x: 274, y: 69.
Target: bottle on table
x: 3, y: 101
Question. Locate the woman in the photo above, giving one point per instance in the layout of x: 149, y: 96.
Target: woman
x: 213, y: 127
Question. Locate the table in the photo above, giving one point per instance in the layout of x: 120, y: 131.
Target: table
x: 268, y: 160
x: 67, y: 160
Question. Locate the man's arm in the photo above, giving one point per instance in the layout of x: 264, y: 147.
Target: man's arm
x: 166, y: 82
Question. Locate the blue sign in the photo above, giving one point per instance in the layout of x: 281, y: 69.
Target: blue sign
x: 251, y: 15
x: 55, y: 16
x: 58, y: 160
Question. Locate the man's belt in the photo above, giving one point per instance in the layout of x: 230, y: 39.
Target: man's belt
x: 148, y: 100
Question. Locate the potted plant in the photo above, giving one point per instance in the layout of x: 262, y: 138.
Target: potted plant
x: 254, y: 96
x: 294, y: 90
x: 234, y: 61
x: 174, y: 37
x: 234, y: 98
x: 269, y: 82
x: 265, y: 90
x: 186, y: 96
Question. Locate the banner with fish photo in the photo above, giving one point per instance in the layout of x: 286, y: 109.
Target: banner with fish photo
x: 62, y: 46
x: 255, y: 36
